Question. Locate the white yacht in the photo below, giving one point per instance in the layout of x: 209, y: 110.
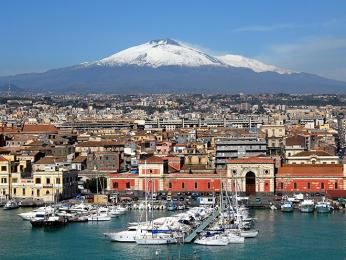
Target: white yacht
x: 39, y: 211
x: 157, y: 239
x: 128, y: 235
x: 215, y: 240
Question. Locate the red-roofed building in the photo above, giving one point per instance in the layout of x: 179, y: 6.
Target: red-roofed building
x: 248, y: 175
x: 310, y: 178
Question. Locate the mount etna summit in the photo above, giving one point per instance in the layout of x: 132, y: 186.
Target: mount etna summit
x: 168, y: 66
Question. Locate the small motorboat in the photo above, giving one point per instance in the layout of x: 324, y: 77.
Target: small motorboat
x: 307, y: 206
x: 287, y: 206
x: 99, y: 217
x: 249, y: 233
x: 38, y: 220
x: 55, y: 221
x: 11, y: 204
x: 78, y: 219
x: 171, y: 206
x: 323, y: 207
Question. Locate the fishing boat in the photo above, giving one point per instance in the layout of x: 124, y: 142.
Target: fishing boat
x: 307, y: 206
x: 11, y: 204
x: 287, y: 206
x: 323, y: 207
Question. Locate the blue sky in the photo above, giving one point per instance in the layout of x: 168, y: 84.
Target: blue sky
x: 304, y: 35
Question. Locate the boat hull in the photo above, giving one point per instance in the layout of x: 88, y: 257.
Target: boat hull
x: 287, y: 209
x: 212, y: 242
x: 153, y: 241
x: 307, y: 209
x: 323, y: 210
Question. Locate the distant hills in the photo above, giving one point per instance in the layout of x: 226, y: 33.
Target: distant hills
x: 167, y: 66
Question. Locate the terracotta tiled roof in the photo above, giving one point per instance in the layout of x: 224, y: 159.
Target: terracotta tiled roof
x: 5, y: 129
x: 153, y: 159
x: 311, y: 153
x: 295, y: 140
x: 252, y: 160
x: 98, y: 143
x: 40, y: 129
x: 50, y: 160
x: 194, y: 167
x: 79, y: 159
x: 301, y: 170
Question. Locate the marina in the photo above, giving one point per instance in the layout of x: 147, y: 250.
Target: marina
x: 280, y: 237
x: 274, y: 234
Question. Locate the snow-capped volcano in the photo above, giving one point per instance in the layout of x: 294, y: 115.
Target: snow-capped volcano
x: 255, y: 65
x: 168, y: 66
x: 157, y: 53
x: 167, y: 52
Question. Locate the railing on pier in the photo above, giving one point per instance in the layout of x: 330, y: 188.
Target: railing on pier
x: 189, y: 238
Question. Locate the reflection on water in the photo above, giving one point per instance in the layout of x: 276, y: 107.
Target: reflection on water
x: 282, y: 236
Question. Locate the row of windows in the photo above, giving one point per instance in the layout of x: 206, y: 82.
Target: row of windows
x: 295, y: 185
x: 313, y: 162
x: 24, y: 193
x: 38, y: 181
x: 116, y: 185
x: 170, y: 185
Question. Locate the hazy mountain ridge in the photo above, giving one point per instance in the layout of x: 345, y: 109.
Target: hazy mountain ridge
x: 166, y: 66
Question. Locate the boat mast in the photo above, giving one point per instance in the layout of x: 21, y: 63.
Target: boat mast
x: 145, y: 190
x: 152, y: 199
x: 221, y: 199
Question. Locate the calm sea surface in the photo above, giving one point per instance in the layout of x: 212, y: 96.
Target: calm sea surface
x: 282, y: 236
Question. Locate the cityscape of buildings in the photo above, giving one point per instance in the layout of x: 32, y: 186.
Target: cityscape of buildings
x: 259, y: 144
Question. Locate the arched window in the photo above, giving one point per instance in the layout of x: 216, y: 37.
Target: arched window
x: 183, y: 185
x: 322, y: 185
x: 309, y: 185
x: 196, y: 185
x: 47, y: 192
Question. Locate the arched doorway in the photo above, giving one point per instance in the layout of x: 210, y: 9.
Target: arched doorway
x: 250, y: 180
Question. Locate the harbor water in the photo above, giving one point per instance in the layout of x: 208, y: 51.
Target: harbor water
x: 282, y: 236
